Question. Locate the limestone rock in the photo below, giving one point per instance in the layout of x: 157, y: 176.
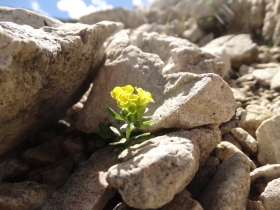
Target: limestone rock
x: 183, y: 100
x: 274, y: 83
x: 230, y: 186
x: 24, y: 195
x: 43, y: 72
x: 156, y: 170
x: 268, y: 138
x: 264, y: 76
x: 275, y: 108
x: 43, y: 154
x: 130, y: 19
x: 269, y: 172
x: 271, y: 23
x: 270, y: 197
x: 203, y: 176
x: 87, y: 187
x: 253, y: 117
x: 12, y: 167
x: 25, y: 17
x: 240, y: 48
x: 248, y: 142
x: 254, y: 205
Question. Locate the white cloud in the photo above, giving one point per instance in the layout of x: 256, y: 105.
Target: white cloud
x: 36, y: 7
x: 141, y: 2
x: 78, y: 8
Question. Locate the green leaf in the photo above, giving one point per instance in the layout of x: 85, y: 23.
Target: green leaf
x: 146, y: 110
x: 141, y: 135
x: 119, y: 150
x: 113, y: 113
x: 146, y: 118
x: 124, y: 126
x: 147, y: 123
x: 115, y: 131
x: 122, y: 141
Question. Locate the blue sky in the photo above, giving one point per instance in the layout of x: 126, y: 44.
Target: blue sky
x: 71, y: 8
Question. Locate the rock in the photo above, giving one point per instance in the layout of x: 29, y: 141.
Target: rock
x: 226, y: 127
x: 193, y: 33
x: 87, y: 187
x: 275, y: 108
x: 55, y: 174
x: 274, y: 83
x: 268, y: 138
x: 268, y: 172
x: 74, y: 148
x: 229, y: 13
x: 22, y: 16
x: 248, y: 142
x: 270, y: 197
x: 178, y: 55
x: 12, y: 167
x: 183, y: 100
x: 254, y: 205
x: 231, y: 139
x: 130, y: 19
x: 43, y: 72
x: 240, y: 94
x: 156, y: 170
x: 203, y: 176
x: 43, y: 154
x: 270, y: 29
x: 264, y: 76
x: 230, y: 186
x: 182, y: 200
x: 225, y: 149
x: 24, y: 195
x: 240, y: 48
x: 253, y: 117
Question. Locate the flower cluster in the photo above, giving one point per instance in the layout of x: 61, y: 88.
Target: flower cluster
x: 132, y: 106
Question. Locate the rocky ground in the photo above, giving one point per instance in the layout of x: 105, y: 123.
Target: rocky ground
x: 213, y: 70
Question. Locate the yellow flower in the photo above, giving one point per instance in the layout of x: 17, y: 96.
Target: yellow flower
x: 145, y: 97
x: 125, y: 97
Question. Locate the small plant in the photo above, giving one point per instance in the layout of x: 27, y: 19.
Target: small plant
x: 132, y: 106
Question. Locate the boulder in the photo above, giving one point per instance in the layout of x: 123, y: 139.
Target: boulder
x: 87, y: 187
x: 182, y: 100
x: 240, y: 48
x: 271, y: 194
x: 268, y: 138
x: 43, y: 72
x: 130, y: 19
x: 229, y: 188
x: 22, y: 16
x: 24, y: 195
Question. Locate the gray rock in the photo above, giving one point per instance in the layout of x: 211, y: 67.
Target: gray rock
x: 24, y: 195
x: 270, y: 197
x: 182, y: 200
x: 264, y: 76
x: 22, y: 16
x: 225, y: 149
x: 87, y: 187
x: 74, y: 148
x: 226, y: 127
x: 268, y: 138
x: 275, y: 108
x: 12, y: 167
x: 231, y: 139
x: 44, y: 154
x: 253, y: 118
x: 156, y: 170
x: 230, y: 186
x: 268, y: 172
x: 249, y: 144
x: 203, y: 176
x: 183, y: 100
x: 43, y: 72
x: 270, y: 30
x: 274, y: 83
x: 254, y: 205
x: 55, y: 174
x: 130, y: 19
x: 240, y: 48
